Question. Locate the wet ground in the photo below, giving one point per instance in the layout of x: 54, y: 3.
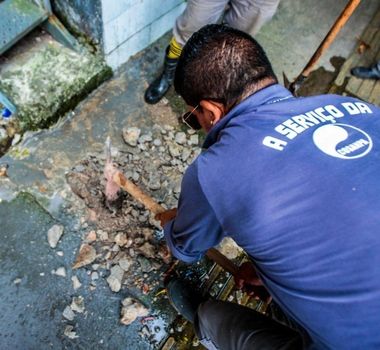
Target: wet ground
x: 37, y: 193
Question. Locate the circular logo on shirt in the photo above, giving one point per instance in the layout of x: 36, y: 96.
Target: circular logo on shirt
x: 342, y: 141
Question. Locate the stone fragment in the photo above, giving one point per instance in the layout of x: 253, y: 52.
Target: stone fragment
x: 86, y: 255
x: 174, y: 150
x: 147, y: 250
x: 94, y: 276
x: 194, y: 140
x: 157, y: 142
x: 54, y: 234
x: 185, y: 154
x: 131, y: 309
x: 145, y: 138
x: 76, y: 282
x: 60, y: 253
x: 61, y: 271
x: 121, y: 239
x: 69, y: 332
x: 180, y: 138
x: 125, y: 263
x: 91, y: 236
x: 114, y: 280
x: 77, y: 304
x: 145, y: 264
x: 154, y: 182
x: 131, y: 135
x: 17, y: 281
x: 103, y: 235
x: 68, y: 313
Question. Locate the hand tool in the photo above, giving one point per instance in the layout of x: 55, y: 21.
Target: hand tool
x: 329, y: 38
x: 156, y: 208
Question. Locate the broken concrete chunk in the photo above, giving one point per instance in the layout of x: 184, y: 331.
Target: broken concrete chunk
x: 54, y: 234
x: 70, y: 333
x: 76, y: 282
x: 180, y: 138
x: 174, y: 150
x: 194, y: 140
x: 68, y: 313
x: 185, y: 154
x: 91, y: 236
x: 115, y: 278
x: 94, y: 276
x: 125, y: 263
x: 147, y: 250
x: 131, y: 135
x: 77, y: 304
x: 132, y: 309
x: 146, y: 138
x: 61, y: 271
x: 121, y: 239
x: 86, y: 255
x: 103, y: 235
x: 154, y: 182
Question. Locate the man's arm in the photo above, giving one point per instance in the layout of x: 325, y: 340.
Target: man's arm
x: 195, y: 228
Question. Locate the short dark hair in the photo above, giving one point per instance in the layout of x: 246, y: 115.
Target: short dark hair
x: 220, y: 63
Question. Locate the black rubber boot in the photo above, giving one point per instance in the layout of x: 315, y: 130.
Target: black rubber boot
x: 157, y: 90
x: 183, y: 298
x: 367, y: 73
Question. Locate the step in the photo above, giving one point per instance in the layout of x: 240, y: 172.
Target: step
x: 17, y: 18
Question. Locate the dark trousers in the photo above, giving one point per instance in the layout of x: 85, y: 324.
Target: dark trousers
x: 222, y: 325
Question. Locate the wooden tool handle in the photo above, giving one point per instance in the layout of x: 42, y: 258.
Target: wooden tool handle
x: 137, y: 193
x: 156, y: 208
x: 216, y: 256
x: 329, y: 38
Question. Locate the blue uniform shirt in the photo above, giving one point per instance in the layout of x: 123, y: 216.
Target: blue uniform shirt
x: 296, y: 183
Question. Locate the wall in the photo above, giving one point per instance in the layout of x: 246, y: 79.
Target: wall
x: 83, y: 17
x: 131, y: 25
x: 118, y: 28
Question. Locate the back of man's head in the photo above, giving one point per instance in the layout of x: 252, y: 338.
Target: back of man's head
x: 222, y: 64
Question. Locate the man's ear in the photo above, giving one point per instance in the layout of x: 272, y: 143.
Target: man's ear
x: 212, y: 110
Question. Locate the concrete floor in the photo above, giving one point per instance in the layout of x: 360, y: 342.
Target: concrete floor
x: 31, y: 310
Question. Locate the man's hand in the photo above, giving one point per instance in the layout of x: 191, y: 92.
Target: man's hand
x: 166, y: 216
x: 247, y: 280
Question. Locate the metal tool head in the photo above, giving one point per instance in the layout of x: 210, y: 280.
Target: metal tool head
x: 295, y: 85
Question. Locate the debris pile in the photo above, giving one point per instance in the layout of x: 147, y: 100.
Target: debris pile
x: 123, y: 244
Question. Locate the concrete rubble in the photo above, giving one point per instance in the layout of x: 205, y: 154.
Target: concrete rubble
x: 132, y: 309
x: 54, y: 234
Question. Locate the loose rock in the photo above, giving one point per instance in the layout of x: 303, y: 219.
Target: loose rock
x: 77, y: 304
x: 131, y: 135
x: 91, y: 236
x: 131, y: 310
x: 125, y: 263
x: 87, y: 255
x: 54, y: 234
x: 70, y: 333
x: 121, y: 239
x: 180, y: 138
x: 76, y: 282
x: 61, y: 271
x: 114, y: 280
x: 148, y: 250
x: 68, y: 313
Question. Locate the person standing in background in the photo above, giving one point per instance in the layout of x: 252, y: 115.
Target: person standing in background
x: 246, y: 15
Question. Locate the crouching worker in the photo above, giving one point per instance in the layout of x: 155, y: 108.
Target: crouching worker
x: 296, y: 183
